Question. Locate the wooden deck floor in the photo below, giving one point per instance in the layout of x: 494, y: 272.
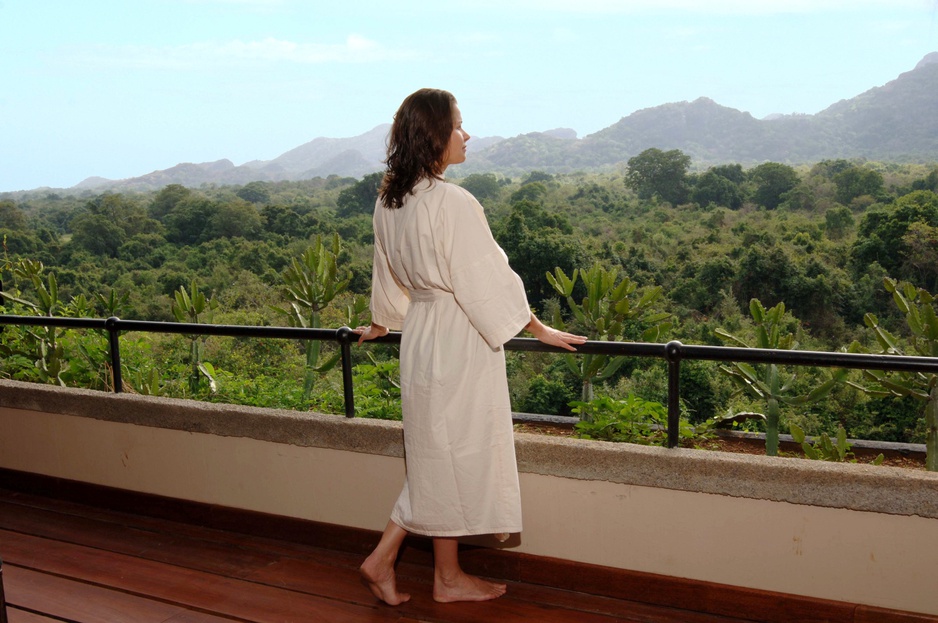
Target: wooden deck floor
x: 64, y: 561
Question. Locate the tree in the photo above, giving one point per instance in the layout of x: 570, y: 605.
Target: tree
x: 482, y: 185
x: 359, y: 198
x: 11, y: 216
x: 732, y: 172
x: 530, y: 191
x: 837, y: 221
x: 662, y: 173
x: 857, y: 181
x: 282, y: 220
x: 537, y: 176
x: 772, y: 181
x: 536, y: 242
x: 882, y: 234
x: 255, y: 192
x: 714, y: 188
x: 234, y: 219
x: 167, y: 199
x: 929, y: 182
x: 187, y: 221
x: 97, y: 234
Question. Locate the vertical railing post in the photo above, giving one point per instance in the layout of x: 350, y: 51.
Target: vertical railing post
x: 112, y: 324
x: 345, y: 336
x: 672, y: 352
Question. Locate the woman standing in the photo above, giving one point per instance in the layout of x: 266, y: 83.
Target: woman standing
x: 440, y: 277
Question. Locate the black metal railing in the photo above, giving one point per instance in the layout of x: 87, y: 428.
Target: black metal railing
x: 673, y: 352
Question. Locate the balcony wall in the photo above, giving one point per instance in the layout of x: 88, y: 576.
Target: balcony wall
x: 852, y: 533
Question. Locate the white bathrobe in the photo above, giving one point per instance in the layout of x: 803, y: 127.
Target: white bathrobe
x: 440, y: 277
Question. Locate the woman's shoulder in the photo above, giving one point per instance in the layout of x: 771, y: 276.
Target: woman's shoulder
x: 453, y: 192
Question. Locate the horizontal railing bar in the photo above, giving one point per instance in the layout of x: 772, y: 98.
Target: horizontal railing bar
x: 188, y: 328
x: 50, y: 321
x: 630, y: 349
x: 861, y: 361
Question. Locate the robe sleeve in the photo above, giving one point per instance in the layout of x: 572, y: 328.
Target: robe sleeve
x: 484, y: 285
x: 389, y: 299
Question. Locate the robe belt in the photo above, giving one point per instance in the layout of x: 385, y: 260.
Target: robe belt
x: 426, y: 296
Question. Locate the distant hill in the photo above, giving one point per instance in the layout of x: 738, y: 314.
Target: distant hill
x: 897, y: 122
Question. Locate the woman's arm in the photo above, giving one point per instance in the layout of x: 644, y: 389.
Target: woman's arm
x: 370, y: 332
x: 552, y: 336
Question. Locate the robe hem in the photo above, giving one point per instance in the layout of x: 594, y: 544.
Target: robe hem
x: 454, y: 533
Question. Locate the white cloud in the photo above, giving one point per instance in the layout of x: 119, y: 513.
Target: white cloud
x: 355, y: 49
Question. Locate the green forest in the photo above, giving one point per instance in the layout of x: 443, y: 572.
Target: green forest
x: 840, y: 255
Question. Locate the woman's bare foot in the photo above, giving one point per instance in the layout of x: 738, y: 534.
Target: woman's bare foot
x: 381, y: 581
x: 464, y: 587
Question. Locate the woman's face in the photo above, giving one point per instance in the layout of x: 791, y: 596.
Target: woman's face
x: 456, y: 149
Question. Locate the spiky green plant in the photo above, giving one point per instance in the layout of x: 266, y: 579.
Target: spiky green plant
x: 603, y: 314
x: 765, y: 381
x: 311, y: 282
x: 919, y: 307
x: 195, y: 307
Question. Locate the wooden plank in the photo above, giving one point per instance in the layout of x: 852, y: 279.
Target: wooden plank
x: 194, y: 553
x: 15, y: 615
x: 68, y: 599
x: 872, y: 614
x: 331, y: 580
x: 258, y: 538
x: 305, y: 577
x: 185, y: 587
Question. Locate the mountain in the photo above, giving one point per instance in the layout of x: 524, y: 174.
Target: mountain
x: 897, y: 122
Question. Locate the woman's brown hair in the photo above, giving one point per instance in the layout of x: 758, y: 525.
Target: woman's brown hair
x: 418, y: 140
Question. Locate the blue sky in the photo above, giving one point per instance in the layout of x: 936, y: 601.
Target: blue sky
x: 120, y: 88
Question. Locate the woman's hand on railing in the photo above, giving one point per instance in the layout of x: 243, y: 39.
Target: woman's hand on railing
x: 370, y: 332
x: 552, y: 336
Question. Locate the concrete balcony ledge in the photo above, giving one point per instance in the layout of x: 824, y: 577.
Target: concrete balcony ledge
x: 817, y: 483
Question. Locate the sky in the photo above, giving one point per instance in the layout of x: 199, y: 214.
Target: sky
x: 121, y: 88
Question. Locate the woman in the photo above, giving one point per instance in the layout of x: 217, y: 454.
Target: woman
x: 441, y: 278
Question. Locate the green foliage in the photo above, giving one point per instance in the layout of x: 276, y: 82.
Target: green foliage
x: 547, y: 396
x: 255, y: 192
x: 310, y: 284
x: 606, y: 313
x: 766, y: 381
x: 659, y: 173
x: 195, y: 307
x: 11, y: 216
x: 713, y: 188
x: 631, y: 420
x: 855, y: 181
x: 482, y: 185
x: 824, y: 449
x: 772, y: 181
x: 921, y: 315
x: 359, y: 198
x: 881, y: 237
x: 536, y: 241
x: 378, y: 389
